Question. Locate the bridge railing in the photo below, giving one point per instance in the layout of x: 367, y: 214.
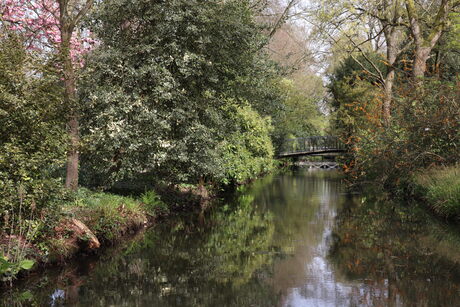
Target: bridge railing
x: 312, y: 144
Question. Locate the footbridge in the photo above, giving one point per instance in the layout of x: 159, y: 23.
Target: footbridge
x: 312, y: 146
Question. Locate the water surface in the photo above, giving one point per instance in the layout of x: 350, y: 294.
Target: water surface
x: 292, y: 239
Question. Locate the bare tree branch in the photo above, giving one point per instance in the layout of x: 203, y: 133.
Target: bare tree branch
x: 282, y: 18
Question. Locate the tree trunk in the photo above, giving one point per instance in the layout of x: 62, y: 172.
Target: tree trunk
x: 388, y: 96
x: 73, y: 157
x: 419, y: 67
x: 425, y: 43
x: 71, y: 181
x: 67, y: 24
x: 392, y: 37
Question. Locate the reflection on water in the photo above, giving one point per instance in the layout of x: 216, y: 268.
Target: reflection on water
x: 294, y: 239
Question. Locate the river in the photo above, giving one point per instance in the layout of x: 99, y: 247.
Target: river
x: 296, y: 238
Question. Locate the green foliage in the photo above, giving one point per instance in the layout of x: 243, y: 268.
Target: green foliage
x: 31, y: 135
x: 32, y: 149
x: 153, y: 202
x: 247, y: 151
x: 348, y: 70
x: 354, y: 98
x: 9, y: 270
x: 441, y: 189
x: 155, y: 91
x: 300, y: 116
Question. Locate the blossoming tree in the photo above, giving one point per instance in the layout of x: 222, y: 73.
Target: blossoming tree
x: 51, y: 26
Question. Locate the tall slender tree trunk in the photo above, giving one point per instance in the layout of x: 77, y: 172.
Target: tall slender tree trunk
x: 70, y: 14
x: 388, y: 96
x: 73, y: 158
x: 392, y: 53
x: 392, y: 37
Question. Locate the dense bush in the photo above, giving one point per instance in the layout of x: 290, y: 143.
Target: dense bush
x: 424, y: 131
x: 424, y: 128
x: 155, y: 92
x: 247, y: 151
x: 32, y: 149
x: 31, y: 138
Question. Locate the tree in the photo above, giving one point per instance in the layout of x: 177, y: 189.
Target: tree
x: 301, y: 116
x: 70, y: 14
x: 159, y: 86
x: 353, y: 98
x: 426, y: 39
x: 391, y: 25
x: 445, y: 59
x: 369, y: 27
x: 50, y: 25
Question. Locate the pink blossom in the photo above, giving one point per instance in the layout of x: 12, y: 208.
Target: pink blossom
x: 38, y: 22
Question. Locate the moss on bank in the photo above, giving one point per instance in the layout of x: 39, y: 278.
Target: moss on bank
x: 440, y: 189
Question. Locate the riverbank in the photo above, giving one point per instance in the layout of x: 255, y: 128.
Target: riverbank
x: 439, y: 190
x: 435, y: 188
x: 86, y: 223
x: 89, y: 221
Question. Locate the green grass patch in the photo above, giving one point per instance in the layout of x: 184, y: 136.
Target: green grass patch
x: 107, y: 215
x: 440, y: 187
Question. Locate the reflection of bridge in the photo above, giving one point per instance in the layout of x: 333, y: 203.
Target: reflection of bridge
x: 312, y: 146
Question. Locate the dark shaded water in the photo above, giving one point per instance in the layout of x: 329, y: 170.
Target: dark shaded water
x: 294, y: 239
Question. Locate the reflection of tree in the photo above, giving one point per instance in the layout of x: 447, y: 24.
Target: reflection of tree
x: 301, y: 205
x: 398, y: 253
x: 241, y: 242
x: 193, y: 266
x: 187, y: 264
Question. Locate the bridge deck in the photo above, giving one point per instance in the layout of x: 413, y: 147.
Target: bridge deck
x: 312, y: 146
x: 327, y: 152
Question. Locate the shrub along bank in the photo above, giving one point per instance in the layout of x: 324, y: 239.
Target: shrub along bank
x: 416, y: 153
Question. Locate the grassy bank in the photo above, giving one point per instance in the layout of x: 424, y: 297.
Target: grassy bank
x: 87, y: 221
x: 440, y: 189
